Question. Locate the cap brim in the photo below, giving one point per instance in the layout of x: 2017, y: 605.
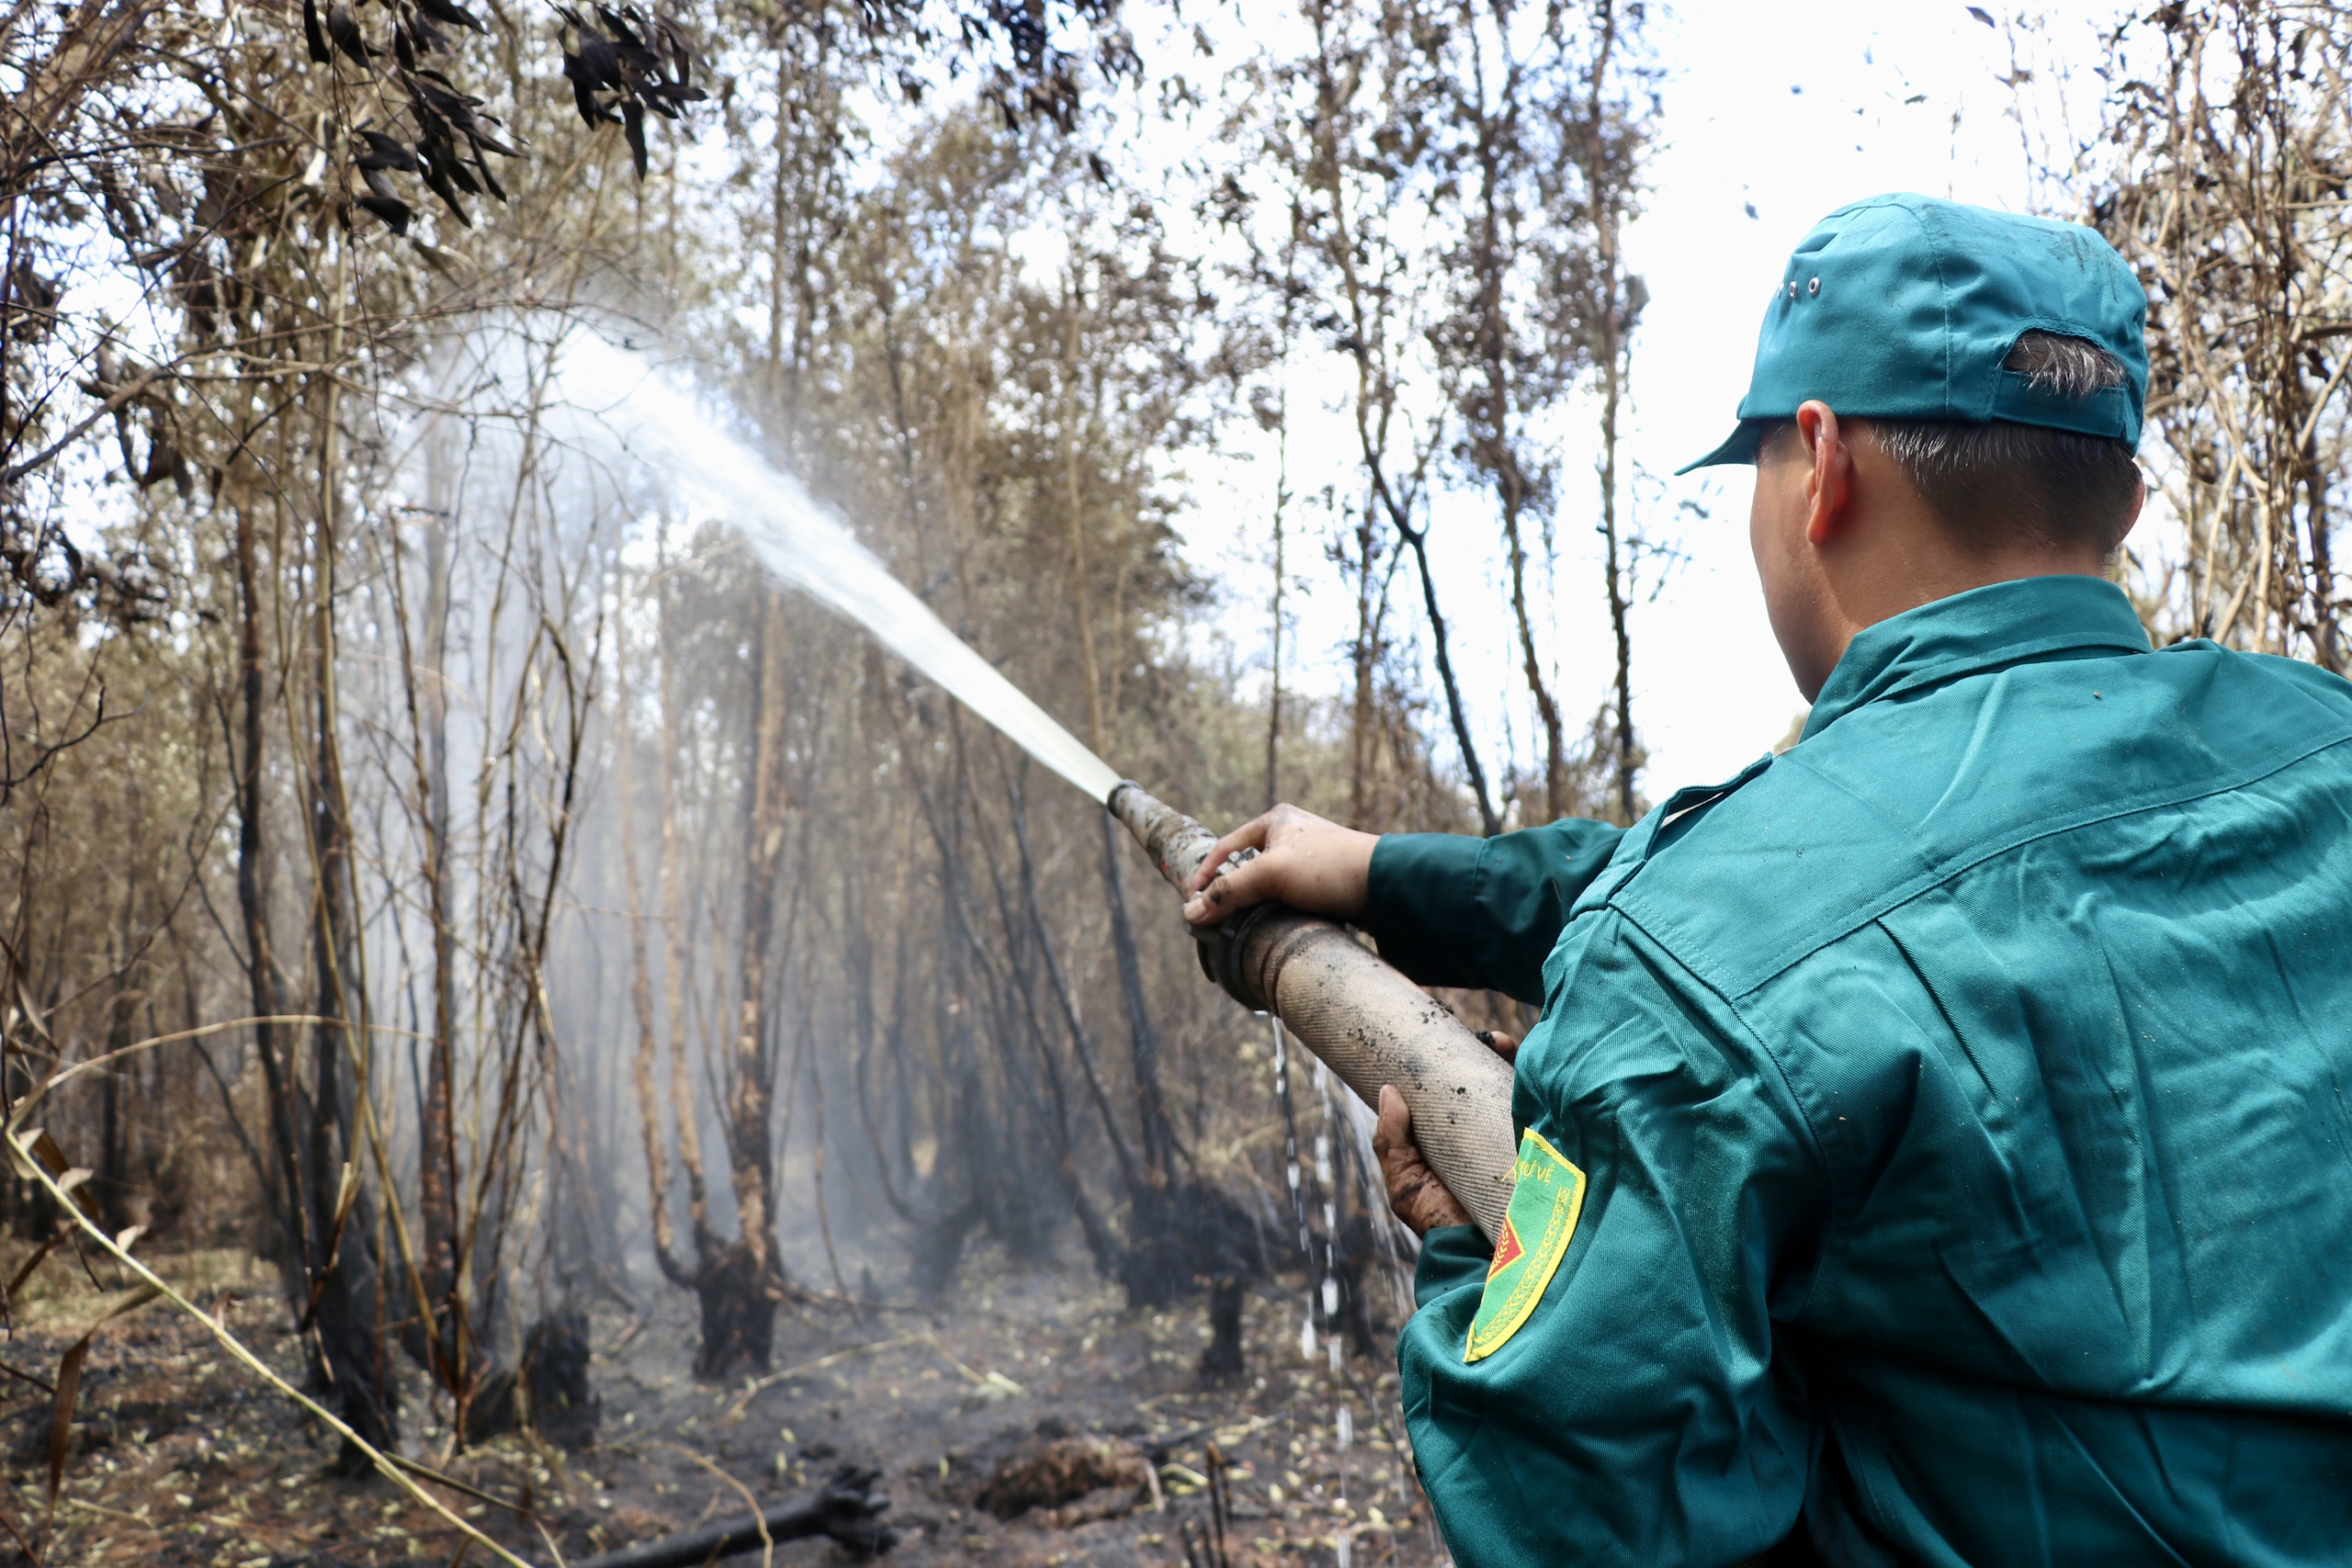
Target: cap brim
x: 1739, y: 447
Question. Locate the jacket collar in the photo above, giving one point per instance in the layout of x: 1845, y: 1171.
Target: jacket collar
x: 1983, y: 629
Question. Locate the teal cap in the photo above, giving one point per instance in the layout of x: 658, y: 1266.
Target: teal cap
x: 1904, y: 307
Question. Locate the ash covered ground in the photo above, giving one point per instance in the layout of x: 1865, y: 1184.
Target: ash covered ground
x: 1033, y: 1387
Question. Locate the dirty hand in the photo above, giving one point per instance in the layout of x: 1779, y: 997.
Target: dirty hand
x: 1303, y: 861
x: 1502, y: 1045
x: 1415, y: 1194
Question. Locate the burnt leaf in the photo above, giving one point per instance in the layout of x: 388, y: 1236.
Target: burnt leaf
x: 636, y: 61
x: 386, y: 153
x: 313, y: 34
x: 670, y: 40
x: 600, y: 57
x: 619, y: 22
x: 61, y: 1413
x: 583, y: 89
x: 436, y: 179
x: 447, y: 11
x: 458, y: 110
x: 633, y: 118
x: 69, y: 1383
x: 344, y: 28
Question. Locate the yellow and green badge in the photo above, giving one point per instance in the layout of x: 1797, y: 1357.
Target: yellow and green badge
x: 1546, y: 1196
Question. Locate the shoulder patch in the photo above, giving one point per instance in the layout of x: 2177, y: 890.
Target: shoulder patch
x: 1546, y: 1197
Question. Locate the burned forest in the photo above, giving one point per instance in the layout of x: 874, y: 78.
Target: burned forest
x: 548, y: 1016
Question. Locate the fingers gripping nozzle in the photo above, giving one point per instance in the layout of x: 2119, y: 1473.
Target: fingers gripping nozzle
x: 1177, y: 845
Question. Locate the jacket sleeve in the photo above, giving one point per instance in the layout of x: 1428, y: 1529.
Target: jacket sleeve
x: 1451, y: 1256
x: 1449, y: 909
x: 1642, y: 1412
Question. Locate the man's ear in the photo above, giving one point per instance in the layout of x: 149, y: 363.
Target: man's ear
x: 1830, y: 486
x: 2132, y: 519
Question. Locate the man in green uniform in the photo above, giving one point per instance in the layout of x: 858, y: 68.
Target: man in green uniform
x: 1937, y: 1144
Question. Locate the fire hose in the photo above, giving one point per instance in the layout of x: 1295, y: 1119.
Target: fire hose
x: 1358, y: 1014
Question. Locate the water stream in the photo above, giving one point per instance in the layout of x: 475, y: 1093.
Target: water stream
x: 803, y: 543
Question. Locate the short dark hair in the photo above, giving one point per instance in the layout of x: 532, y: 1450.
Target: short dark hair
x: 1987, y: 482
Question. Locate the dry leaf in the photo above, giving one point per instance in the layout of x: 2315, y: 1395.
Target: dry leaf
x: 69, y: 1381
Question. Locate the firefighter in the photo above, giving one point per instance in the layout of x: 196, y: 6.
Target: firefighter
x: 1936, y: 1143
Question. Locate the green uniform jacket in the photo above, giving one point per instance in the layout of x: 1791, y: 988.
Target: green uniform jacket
x: 1962, y: 1099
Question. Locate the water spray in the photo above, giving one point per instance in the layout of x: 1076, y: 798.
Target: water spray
x: 1366, y: 1021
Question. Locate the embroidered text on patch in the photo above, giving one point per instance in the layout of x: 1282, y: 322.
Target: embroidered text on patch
x: 1546, y: 1196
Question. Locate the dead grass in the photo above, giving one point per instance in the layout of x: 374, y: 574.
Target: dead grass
x: 179, y: 1459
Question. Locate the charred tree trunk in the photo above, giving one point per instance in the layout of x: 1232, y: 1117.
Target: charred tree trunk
x: 674, y: 957
x: 1222, y: 1363
x: 1364, y: 661
x: 113, y: 1184
x: 437, y: 1164
x: 1615, y: 324
x: 270, y: 1045
x: 738, y: 1284
x: 743, y: 1284
x: 1158, y: 1134
x: 112, y: 1188
x: 446, y: 1297
x: 1028, y: 948
x: 1456, y: 714
x: 345, y: 1300
x: 640, y: 996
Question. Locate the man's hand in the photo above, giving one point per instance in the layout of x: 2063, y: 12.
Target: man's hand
x: 1415, y: 1194
x: 1303, y: 861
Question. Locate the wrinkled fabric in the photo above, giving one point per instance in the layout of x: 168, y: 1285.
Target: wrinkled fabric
x: 1454, y: 910
x: 1962, y: 1100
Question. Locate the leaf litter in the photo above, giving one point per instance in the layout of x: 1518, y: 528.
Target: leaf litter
x: 1032, y: 1421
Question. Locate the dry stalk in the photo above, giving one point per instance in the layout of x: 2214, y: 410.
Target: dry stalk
x: 388, y: 1465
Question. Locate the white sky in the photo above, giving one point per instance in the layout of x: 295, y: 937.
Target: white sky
x: 1795, y: 111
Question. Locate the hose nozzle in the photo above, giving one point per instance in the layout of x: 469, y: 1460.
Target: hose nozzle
x: 1364, y: 1019
x: 1177, y: 845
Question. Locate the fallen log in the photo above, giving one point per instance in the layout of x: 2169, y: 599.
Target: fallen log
x: 849, y: 1509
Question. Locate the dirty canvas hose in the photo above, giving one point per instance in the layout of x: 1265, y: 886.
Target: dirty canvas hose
x: 1364, y: 1020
